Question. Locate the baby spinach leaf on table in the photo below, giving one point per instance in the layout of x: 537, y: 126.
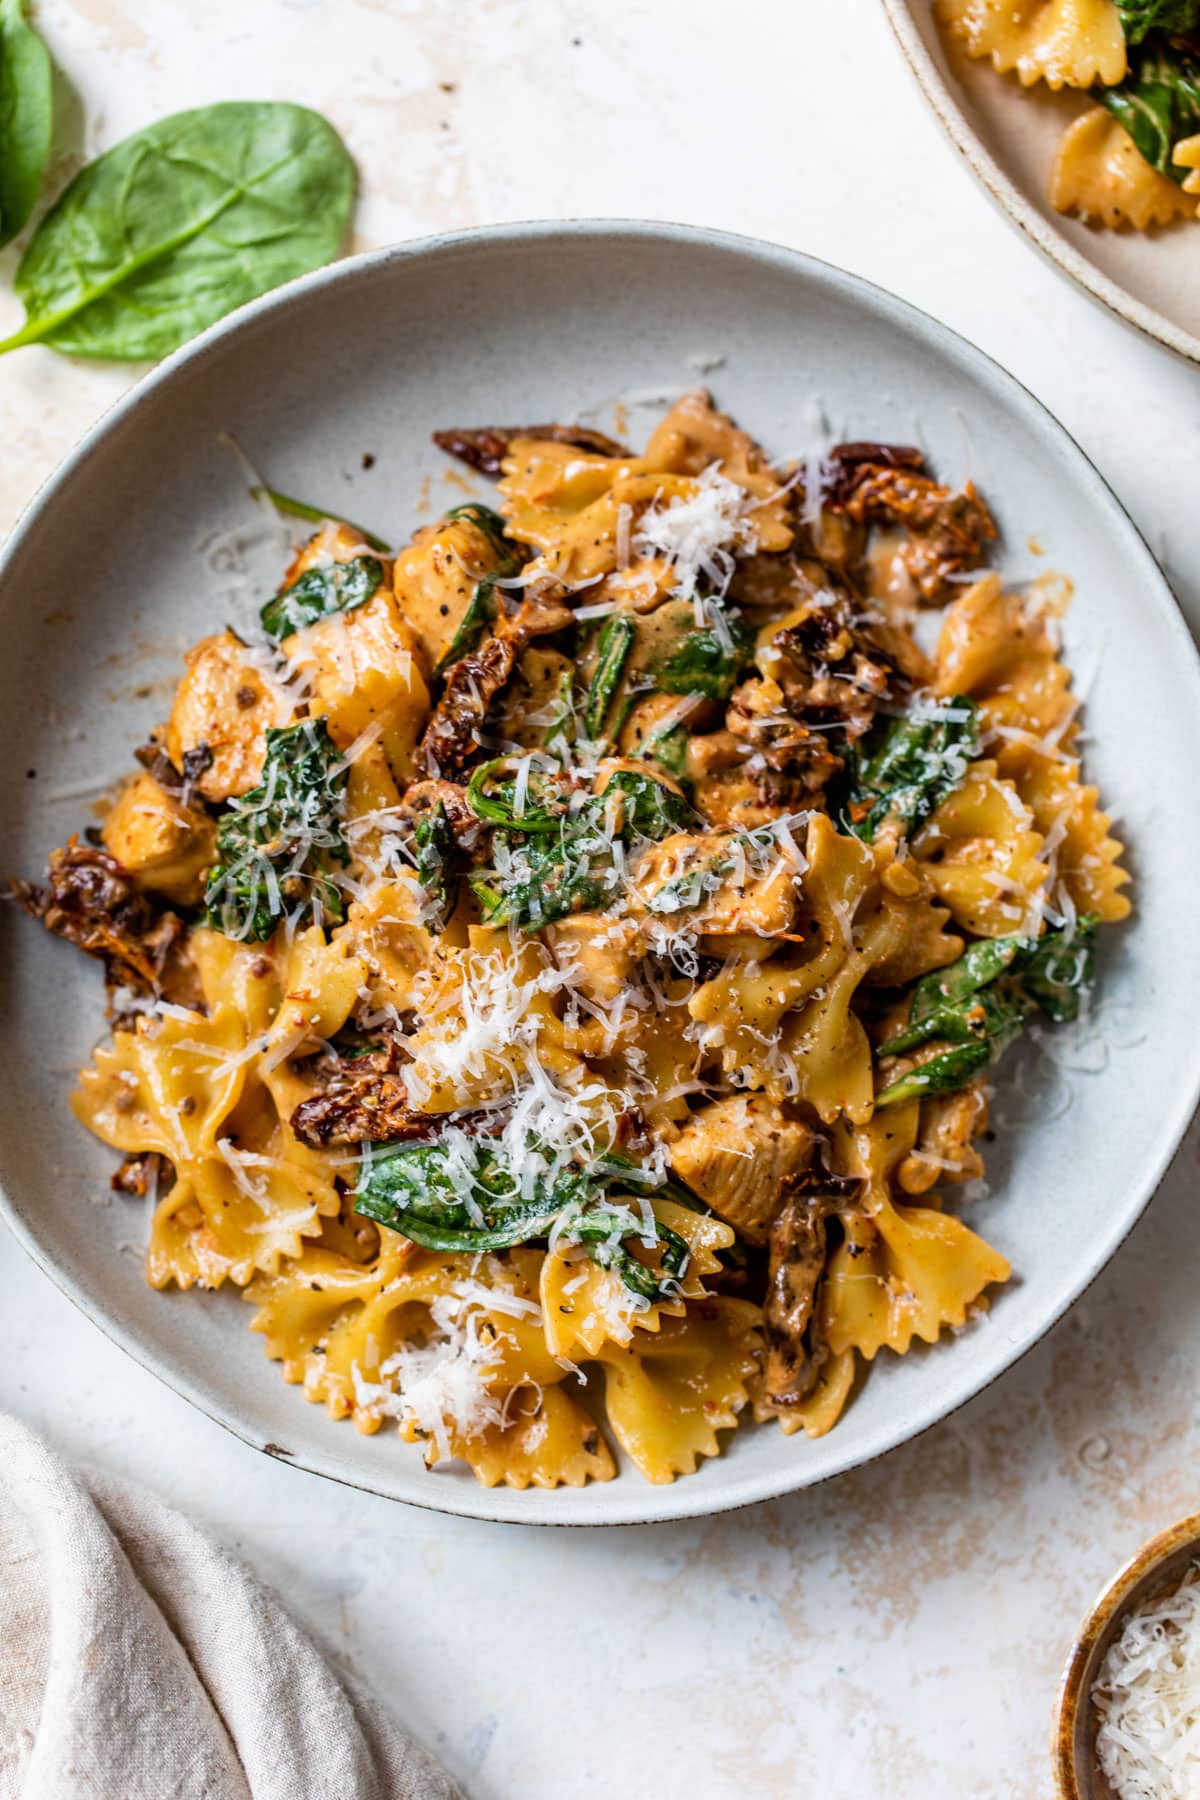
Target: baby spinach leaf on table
x: 1158, y: 103
x: 418, y: 1190
x: 26, y: 117
x: 316, y: 515
x: 179, y: 224
x: 326, y: 588
x: 277, y: 844
x: 1140, y: 17
x: 980, y: 1003
x: 912, y: 767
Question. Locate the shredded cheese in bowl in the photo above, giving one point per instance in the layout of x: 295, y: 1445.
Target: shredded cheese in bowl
x: 1147, y: 1695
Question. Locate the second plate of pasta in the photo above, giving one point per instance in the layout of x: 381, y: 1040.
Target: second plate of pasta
x: 1083, y: 120
x: 625, y: 957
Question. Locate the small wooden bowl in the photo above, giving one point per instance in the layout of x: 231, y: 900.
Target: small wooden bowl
x: 1156, y: 1570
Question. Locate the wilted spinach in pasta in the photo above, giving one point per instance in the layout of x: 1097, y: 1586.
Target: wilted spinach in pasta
x: 579, y: 942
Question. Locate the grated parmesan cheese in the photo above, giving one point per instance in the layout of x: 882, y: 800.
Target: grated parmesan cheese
x: 1148, y: 1697
x: 698, y: 536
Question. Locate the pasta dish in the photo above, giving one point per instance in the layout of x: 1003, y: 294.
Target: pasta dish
x: 556, y: 968
x: 1132, y: 158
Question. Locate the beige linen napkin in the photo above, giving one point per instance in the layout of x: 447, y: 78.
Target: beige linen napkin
x: 140, y: 1661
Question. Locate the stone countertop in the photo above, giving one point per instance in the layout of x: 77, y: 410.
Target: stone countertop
x: 900, y: 1630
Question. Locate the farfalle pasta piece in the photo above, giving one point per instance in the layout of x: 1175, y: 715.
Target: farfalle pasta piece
x: 1186, y: 155
x: 1101, y: 176
x: 822, y: 1409
x: 901, y: 1271
x: 1085, y: 857
x: 669, y: 1395
x: 1065, y: 43
x: 981, y: 856
x: 585, y: 1307
x: 548, y: 1440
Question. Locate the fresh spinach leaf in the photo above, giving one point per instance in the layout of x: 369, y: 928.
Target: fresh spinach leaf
x: 326, y: 588
x: 980, y: 1003
x: 1158, y: 103
x: 26, y: 117
x: 1140, y: 17
x: 277, y: 845
x: 316, y: 515
x: 179, y: 224
x: 911, y: 768
x: 418, y: 1189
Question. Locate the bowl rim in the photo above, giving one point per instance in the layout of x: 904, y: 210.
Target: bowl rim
x: 1018, y: 210
x: 689, y: 1499
x: 1114, y: 1599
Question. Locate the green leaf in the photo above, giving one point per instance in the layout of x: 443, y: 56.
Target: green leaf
x: 980, y: 1003
x: 615, y: 643
x: 493, y: 526
x: 26, y: 117
x: 494, y: 800
x: 277, y: 844
x: 469, y: 1199
x: 326, y: 588
x: 179, y: 224
x: 481, y: 610
x: 1059, y: 972
x: 651, y: 808
x: 433, y: 841
x: 316, y: 515
x: 1158, y: 103
x: 1140, y: 17
x: 918, y: 761
x: 567, y: 866
x: 706, y: 660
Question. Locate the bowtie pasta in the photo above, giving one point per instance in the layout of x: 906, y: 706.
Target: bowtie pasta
x: 1128, y: 162
x: 556, y: 969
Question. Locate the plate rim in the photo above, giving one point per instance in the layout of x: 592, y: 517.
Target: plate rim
x: 1016, y: 208
x: 686, y: 1498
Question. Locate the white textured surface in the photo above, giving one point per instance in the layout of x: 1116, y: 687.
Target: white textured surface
x: 900, y: 1630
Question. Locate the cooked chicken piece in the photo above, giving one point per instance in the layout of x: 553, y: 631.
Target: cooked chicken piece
x: 717, y: 884
x: 91, y: 901
x: 435, y: 579
x: 943, y: 1151
x: 225, y: 703
x: 599, y: 951
x: 164, y: 844
x: 736, y: 1155
x: 798, y: 1248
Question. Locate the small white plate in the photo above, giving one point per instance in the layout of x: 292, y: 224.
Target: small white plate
x: 125, y: 558
x: 1009, y: 136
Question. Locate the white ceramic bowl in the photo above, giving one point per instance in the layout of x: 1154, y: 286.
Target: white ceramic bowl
x: 117, y: 568
x: 1009, y: 136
